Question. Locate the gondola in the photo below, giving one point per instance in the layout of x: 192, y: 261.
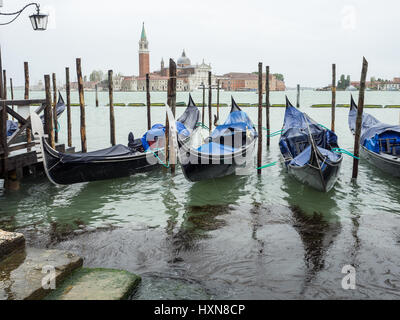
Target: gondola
x: 229, y: 148
x: 379, y: 142
x: 12, y: 126
x: 60, y: 107
x: 140, y: 155
x: 306, y: 150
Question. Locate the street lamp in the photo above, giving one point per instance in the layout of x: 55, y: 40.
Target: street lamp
x: 38, y: 20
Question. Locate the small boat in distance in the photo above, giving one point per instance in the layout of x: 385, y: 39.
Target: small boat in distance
x: 229, y: 147
x: 306, y: 148
x: 379, y: 142
x: 118, y: 161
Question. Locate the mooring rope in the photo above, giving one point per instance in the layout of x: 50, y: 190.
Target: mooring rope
x: 268, y: 165
x: 273, y: 134
x: 58, y: 127
x: 162, y: 162
x: 199, y: 124
x: 344, y: 151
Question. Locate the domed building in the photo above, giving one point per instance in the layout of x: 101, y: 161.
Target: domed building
x: 189, y: 77
x: 183, y: 61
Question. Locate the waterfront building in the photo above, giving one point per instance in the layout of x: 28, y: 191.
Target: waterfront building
x: 239, y: 81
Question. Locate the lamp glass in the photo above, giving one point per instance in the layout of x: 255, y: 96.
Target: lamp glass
x: 39, y: 21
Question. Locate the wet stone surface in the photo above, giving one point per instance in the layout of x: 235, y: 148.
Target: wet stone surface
x: 9, y: 242
x: 96, y: 284
x: 21, y: 274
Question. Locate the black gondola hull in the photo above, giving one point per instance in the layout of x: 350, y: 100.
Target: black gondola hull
x: 312, y: 177
x: 202, y: 167
x: 70, y: 173
x: 390, y: 166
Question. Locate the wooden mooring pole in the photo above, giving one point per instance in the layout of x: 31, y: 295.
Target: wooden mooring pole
x: 5, y: 85
x: 217, y: 102
x: 55, y: 120
x: 26, y: 97
x: 298, y: 96
x: 360, y: 110
x: 26, y: 73
x: 148, y: 101
x: 48, y: 114
x: 260, y: 133
x: 333, y: 97
x: 12, y: 94
x: 82, y: 104
x: 112, y: 119
x: 97, y: 95
x: 68, y: 90
x: 204, y: 102
x: 209, y: 102
x: 1, y: 79
x: 267, y: 105
x: 3, y: 143
x: 172, y: 103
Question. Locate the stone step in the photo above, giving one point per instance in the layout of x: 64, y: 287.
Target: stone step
x: 26, y: 274
x: 96, y: 284
x: 10, y: 242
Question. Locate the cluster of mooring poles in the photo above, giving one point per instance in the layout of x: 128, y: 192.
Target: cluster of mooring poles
x: 51, y: 125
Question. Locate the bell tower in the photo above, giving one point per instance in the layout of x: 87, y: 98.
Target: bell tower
x: 144, y: 56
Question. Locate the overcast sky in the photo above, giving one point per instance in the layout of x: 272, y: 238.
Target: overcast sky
x: 300, y: 39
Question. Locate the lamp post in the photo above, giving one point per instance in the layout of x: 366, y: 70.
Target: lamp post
x: 38, y: 20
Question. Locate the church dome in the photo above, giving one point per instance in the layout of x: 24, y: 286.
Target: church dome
x: 184, y: 61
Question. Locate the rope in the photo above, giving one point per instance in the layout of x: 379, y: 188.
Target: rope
x: 58, y: 127
x: 273, y: 134
x: 162, y: 162
x: 199, y: 124
x: 323, y: 126
x: 268, y: 165
x: 340, y: 150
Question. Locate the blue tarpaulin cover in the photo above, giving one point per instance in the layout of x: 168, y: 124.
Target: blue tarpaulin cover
x: 12, y: 126
x: 304, y: 156
x: 295, y: 141
x: 216, y: 148
x: 372, y: 130
x: 158, y: 130
x: 238, y: 121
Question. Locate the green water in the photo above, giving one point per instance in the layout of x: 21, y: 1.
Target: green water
x: 235, y: 237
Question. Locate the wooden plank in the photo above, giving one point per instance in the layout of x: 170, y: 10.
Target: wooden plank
x: 21, y: 146
x: 20, y: 160
x: 26, y: 102
x: 21, y: 129
x: 16, y: 115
